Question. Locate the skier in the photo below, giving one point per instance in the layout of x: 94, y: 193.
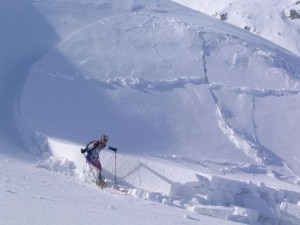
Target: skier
x: 93, y: 150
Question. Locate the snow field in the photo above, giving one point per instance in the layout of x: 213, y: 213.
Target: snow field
x: 170, y: 180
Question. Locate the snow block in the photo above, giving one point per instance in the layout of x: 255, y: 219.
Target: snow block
x: 226, y: 185
x: 237, y: 214
x: 291, y: 211
x: 155, y: 176
x: 261, y: 206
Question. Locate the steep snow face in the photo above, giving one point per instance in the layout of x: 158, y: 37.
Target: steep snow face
x: 162, y: 81
x: 22, y: 27
x: 272, y: 20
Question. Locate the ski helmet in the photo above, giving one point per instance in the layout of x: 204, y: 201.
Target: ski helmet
x: 104, y: 137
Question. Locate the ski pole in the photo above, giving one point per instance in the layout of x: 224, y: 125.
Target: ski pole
x: 115, y: 167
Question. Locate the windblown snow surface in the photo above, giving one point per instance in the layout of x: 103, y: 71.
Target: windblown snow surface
x: 274, y: 20
x: 204, y: 115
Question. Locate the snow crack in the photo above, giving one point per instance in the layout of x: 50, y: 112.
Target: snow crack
x: 158, y: 85
x: 252, y: 148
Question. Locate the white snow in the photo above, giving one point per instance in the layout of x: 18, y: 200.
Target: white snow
x: 274, y: 20
x: 204, y: 113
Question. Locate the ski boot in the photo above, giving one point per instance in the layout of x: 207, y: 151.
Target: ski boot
x: 101, y: 184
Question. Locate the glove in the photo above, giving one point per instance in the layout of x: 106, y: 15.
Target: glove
x: 83, y: 151
x: 113, y: 149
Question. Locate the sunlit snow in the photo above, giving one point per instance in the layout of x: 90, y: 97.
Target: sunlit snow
x: 204, y: 114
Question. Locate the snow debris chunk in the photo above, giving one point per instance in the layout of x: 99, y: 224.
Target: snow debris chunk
x: 291, y: 211
x: 237, y: 214
x: 62, y: 165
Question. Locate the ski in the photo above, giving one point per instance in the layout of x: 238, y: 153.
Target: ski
x: 117, y: 190
x: 112, y: 189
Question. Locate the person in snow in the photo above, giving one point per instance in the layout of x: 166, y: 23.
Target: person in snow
x: 93, y: 150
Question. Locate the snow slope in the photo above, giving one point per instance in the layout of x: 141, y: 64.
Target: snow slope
x: 45, y: 197
x: 277, y: 21
x: 204, y: 115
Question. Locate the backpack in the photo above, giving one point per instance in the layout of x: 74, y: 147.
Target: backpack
x: 91, y: 142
